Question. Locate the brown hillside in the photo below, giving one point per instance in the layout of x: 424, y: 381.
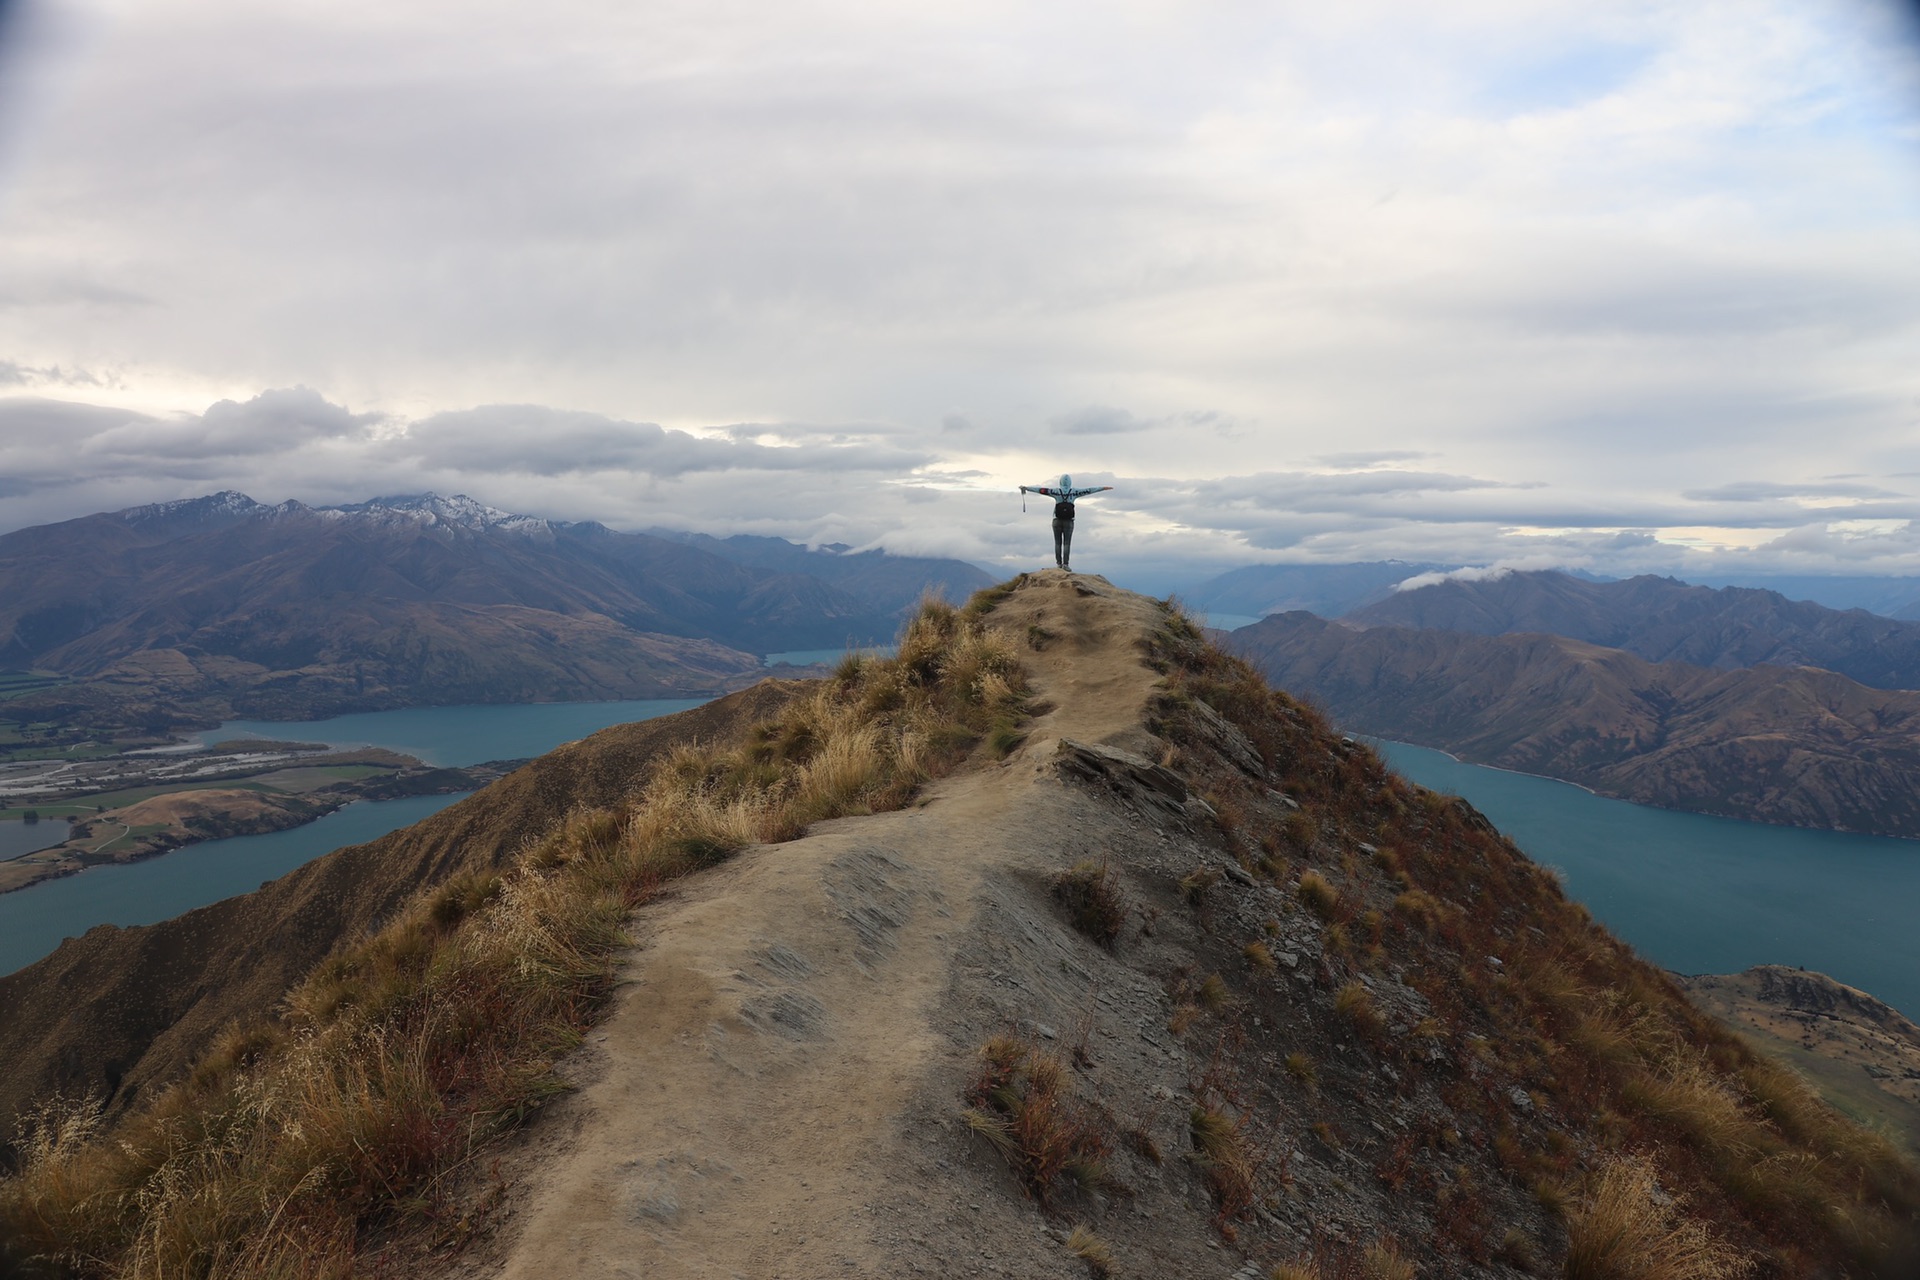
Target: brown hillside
x: 1793, y: 745
x: 1665, y: 620
x: 120, y: 1010
x: 1862, y: 1054
x: 1328, y: 1019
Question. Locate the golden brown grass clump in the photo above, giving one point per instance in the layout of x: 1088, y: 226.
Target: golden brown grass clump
x: 1021, y: 1100
x: 402, y: 1056
x: 1221, y: 1152
x: 1092, y: 1250
x: 1629, y: 1230
x: 1318, y: 893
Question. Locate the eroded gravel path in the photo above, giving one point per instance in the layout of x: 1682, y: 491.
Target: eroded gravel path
x: 746, y: 1103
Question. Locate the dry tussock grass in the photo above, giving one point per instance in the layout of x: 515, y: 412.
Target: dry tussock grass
x: 1092, y: 1250
x: 1591, y: 1028
x: 404, y: 1055
x: 1224, y: 1157
x: 1628, y: 1229
x: 1021, y: 1100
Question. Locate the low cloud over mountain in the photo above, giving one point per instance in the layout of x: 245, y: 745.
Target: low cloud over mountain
x: 869, y: 485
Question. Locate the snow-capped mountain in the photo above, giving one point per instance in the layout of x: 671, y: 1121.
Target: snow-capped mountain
x: 423, y: 599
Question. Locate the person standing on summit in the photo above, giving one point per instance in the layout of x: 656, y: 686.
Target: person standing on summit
x: 1064, y: 496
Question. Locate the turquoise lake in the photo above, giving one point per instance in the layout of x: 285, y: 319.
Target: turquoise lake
x: 1693, y: 893
x: 1709, y: 895
x: 17, y: 837
x: 33, y: 921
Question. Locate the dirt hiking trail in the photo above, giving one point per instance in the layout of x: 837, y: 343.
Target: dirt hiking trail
x: 776, y: 1093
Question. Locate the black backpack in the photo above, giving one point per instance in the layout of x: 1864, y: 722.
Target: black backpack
x: 1063, y: 510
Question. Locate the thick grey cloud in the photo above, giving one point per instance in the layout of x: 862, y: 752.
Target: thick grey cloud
x: 273, y: 422
x: 62, y: 458
x: 1097, y: 420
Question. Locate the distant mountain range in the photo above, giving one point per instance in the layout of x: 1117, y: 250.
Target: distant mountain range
x: 1733, y: 701
x: 1332, y: 590
x: 289, y: 610
x: 1792, y: 745
x: 1665, y: 620
x: 1326, y: 589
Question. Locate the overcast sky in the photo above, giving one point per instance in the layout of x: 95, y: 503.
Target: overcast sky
x: 1621, y: 285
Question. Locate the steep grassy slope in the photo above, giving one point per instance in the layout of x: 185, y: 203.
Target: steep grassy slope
x: 1794, y: 745
x: 1664, y: 620
x: 118, y: 1011
x: 1167, y: 980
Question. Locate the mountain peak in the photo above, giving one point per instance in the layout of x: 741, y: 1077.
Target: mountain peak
x: 223, y: 507
x: 458, y: 512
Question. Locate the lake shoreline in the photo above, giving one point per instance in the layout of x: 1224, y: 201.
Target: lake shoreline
x: 1704, y: 893
x: 462, y: 748
x: 279, y: 813
x: 1626, y: 799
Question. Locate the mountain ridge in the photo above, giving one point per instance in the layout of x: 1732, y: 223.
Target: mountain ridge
x: 235, y: 606
x: 1793, y: 745
x: 1164, y: 978
x: 1665, y: 620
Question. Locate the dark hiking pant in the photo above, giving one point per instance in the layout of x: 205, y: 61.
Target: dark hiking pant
x: 1062, y: 541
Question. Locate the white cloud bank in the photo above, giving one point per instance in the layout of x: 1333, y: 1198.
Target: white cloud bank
x: 1480, y: 573
x: 1634, y: 285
